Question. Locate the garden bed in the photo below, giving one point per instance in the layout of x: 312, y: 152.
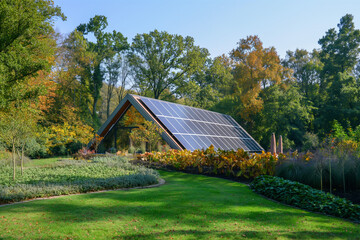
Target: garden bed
x: 73, y: 176
x: 305, y: 197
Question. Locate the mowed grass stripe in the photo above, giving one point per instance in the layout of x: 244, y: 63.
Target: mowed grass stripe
x: 186, y: 207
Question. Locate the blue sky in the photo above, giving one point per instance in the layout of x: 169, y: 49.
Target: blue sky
x: 217, y: 25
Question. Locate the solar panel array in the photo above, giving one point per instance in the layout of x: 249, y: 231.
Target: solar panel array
x: 197, y: 128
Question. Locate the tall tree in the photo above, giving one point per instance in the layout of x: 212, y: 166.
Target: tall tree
x: 125, y: 76
x: 338, y: 90
x: 72, y: 79
x: 283, y: 114
x: 340, y: 50
x: 255, y: 68
x: 208, y: 85
x: 306, y: 67
x: 107, y: 45
x: 26, y: 44
x: 113, y: 66
x: 163, y: 61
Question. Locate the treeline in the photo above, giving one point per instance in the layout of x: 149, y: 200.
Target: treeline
x: 55, y: 91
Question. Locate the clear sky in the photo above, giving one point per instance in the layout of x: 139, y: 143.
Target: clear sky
x: 217, y: 25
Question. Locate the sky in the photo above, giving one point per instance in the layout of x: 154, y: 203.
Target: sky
x: 217, y: 25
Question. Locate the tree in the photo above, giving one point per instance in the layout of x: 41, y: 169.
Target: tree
x: 208, y: 85
x: 283, y: 114
x: 107, y: 45
x: 16, y: 126
x: 113, y: 66
x: 255, y: 68
x: 343, y: 103
x: 163, y: 61
x: 72, y: 79
x: 26, y: 45
x: 147, y: 132
x: 125, y: 74
x: 338, y: 88
x: 306, y: 67
x: 340, y: 50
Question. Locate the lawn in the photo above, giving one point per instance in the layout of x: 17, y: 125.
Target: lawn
x: 186, y: 207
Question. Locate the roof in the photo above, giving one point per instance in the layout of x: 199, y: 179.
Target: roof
x: 186, y: 127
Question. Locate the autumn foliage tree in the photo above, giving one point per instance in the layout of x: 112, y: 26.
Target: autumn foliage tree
x: 254, y: 68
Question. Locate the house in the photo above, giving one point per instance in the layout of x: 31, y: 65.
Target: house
x: 184, y: 127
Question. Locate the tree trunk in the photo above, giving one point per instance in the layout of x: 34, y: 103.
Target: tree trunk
x: 343, y: 172
x: 14, y: 160
x: 22, y: 159
x: 321, y: 179
x: 330, y: 180
x: 108, y: 107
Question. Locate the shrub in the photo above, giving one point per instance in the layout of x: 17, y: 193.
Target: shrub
x: 232, y: 163
x: 84, y: 154
x: 336, y: 165
x: 305, y: 197
x: 310, y: 142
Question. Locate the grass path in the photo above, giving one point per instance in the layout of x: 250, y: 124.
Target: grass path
x: 186, y: 207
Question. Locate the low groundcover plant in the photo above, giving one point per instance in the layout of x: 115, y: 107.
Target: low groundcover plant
x: 305, y: 197
x: 71, y: 176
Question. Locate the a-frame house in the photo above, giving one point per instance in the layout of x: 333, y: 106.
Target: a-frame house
x: 185, y: 127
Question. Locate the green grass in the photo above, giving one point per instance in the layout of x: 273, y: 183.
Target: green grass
x: 186, y: 207
x: 44, y: 161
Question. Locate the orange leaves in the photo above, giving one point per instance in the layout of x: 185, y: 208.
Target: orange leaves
x: 133, y: 118
x: 235, y: 163
x: 255, y: 68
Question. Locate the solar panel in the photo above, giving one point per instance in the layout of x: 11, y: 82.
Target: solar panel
x: 196, y: 128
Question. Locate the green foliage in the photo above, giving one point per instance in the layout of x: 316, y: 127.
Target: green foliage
x: 283, y: 114
x: 310, y: 142
x: 26, y: 45
x: 164, y: 61
x: 338, y: 95
x: 303, y: 196
x: 70, y: 176
x: 107, y: 45
x: 148, y: 132
x: 208, y: 85
x: 340, y: 49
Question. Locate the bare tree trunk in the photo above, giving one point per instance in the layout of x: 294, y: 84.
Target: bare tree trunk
x: 22, y: 159
x: 14, y: 160
x: 321, y: 179
x: 330, y: 175
x: 343, y: 173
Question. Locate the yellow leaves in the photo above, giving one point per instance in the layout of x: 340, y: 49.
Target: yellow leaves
x: 65, y: 133
x: 236, y: 163
x: 255, y: 68
x: 348, y: 145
